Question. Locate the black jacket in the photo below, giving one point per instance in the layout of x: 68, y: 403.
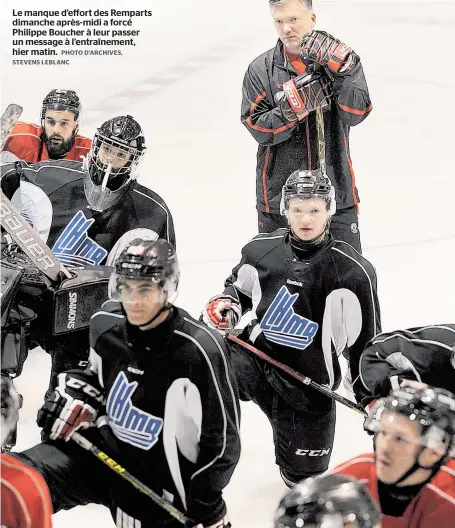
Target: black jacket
x: 145, y: 375
x: 423, y: 354
x: 285, y: 147
x: 50, y: 194
x: 306, y: 313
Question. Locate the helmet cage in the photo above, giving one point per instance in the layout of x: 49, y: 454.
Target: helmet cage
x: 103, y: 169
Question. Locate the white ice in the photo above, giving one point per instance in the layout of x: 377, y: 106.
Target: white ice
x: 201, y: 160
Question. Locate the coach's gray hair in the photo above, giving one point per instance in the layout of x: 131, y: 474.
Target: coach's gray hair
x: 308, y: 4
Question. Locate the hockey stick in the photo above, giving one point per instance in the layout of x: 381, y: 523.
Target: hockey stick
x: 298, y: 376
x: 7, y: 121
x: 321, y: 139
x: 29, y: 241
x: 122, y: 472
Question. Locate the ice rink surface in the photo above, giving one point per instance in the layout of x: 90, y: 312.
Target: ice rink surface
x: 182, y: 82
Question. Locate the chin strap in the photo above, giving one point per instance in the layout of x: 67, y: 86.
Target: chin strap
x: 316, y: 241
x: 416, y: 466
x: 165, y: 307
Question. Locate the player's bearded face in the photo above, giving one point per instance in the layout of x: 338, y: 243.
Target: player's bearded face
x: 307, y: 218
x: 292, y: 22
x: 141, y: 300
x: 60, y: 129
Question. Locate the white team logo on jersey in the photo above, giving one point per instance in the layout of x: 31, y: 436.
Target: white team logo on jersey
x: 282, y: 325
x: 128, y: 423
x: 74, y: 248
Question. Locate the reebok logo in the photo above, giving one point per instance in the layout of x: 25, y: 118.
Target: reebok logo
x: 294, y: 282
x: 135, y: 371
x: 283, y: 326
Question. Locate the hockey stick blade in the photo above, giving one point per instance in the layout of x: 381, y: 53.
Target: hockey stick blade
x: 7, y: 121
x: 296, y: 375
x: 29, y: 241
x: 122, y: 472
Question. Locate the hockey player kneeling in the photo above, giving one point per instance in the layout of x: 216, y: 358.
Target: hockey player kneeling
x: 311, y: 299
x: 411, y: 474
x: 332, y: 501
x: 160, y: 388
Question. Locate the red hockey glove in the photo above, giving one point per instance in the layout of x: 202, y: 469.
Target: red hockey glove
x: 222, y: 313
x: 303, y: 95
x: 73, y: 405
x: 327, y: 51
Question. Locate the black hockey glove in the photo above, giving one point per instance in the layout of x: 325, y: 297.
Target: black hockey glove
x: 73, y: 405
x: 303, y: 95
x: 321, y: 48
x: 222, y: 523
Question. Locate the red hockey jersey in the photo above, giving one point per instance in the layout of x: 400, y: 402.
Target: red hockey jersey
x: 25, y: 143
x: 26, y: 502
x: 433, y: 506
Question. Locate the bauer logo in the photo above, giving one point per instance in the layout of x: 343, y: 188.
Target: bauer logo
x: 129, y: 423
x: 74, y: 248
x: 72, y: 310
x: 282, y: 325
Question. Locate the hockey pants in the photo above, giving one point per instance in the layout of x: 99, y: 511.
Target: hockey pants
x: 303, y: 432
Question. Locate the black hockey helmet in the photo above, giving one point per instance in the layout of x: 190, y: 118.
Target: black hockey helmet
x: 307, y: 184
x: 147, y: 260
x: 118, y: 147
x: 432, y: 408
x: 62, y: 100
x: 329, y: 501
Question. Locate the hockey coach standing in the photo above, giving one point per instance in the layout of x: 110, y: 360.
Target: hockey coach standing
x: 287, y: 133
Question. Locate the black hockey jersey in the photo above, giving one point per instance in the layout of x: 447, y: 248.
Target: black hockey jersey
x: 50, y: 194
x: 306, y: 313
x: 172, y: 403
x: 423, y: 354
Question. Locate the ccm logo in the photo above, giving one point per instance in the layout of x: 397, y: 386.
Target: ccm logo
x: 293, y: 99
x: 85, y: 387
x: 313, y: 452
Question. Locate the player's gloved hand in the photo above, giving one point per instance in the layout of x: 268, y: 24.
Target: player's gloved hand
x: 73, y: 405
x: 321, y: 48
x: 222, y: 313
x: 303, y: 95
x: 222, y: 523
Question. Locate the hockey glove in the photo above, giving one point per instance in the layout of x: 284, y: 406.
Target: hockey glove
x: 321, y: 48
x: 303, y: 95
x: 222, y: 313
x: 222, y: 523
x: 73, y: 405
